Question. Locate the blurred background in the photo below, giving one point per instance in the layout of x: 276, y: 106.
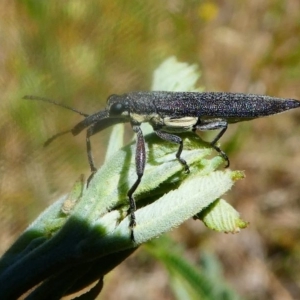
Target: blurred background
x: 80, y: 52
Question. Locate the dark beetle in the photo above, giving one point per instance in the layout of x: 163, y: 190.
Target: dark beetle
x: 170, y: 113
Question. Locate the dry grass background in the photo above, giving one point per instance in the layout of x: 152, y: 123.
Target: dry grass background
x: 79, y: 52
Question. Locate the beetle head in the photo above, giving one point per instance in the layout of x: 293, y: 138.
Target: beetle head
x: 118, y: 106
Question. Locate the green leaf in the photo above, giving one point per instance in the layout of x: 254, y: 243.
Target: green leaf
x: 222, y: 217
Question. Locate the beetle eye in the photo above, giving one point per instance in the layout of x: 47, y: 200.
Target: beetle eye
x: 116, y: 109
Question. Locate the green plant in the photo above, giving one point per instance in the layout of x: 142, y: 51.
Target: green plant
x: 85, y: 234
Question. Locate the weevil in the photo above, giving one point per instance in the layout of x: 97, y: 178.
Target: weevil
x: 170, y: 113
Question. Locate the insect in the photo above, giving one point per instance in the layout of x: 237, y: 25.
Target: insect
x: 170, y: 113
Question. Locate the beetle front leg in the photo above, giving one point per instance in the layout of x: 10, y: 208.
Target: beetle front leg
x: 91, y: 131
x: 177, y: 140
x: 140, y: 161
x: 214, y: 125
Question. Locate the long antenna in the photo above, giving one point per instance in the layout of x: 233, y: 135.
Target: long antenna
x: 50, y: 140
x: 31, y: 97
x: 38, y: 98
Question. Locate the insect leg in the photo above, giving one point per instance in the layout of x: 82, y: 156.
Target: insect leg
x: 177, y: 140
x: 91, y: 131
x: 140, y: 161
x: 213, y: 125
